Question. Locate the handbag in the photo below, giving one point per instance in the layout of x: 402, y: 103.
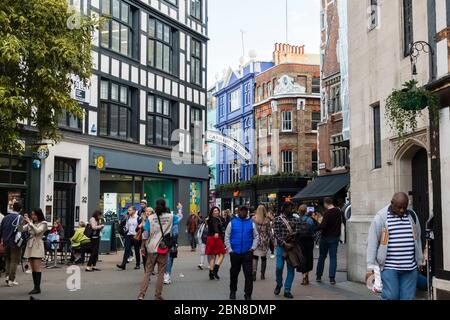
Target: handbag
x: 166, y: 242
x: 138, y: 235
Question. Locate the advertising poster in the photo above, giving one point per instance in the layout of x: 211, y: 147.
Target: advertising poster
x: 195, y: 193
x: 105, y: 234
x: 110, y: 206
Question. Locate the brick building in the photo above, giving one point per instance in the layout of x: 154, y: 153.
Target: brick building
x: 333, y: 142
x: 287, y: 112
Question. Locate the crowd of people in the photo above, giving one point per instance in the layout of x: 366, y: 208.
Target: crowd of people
x: 248, y: 235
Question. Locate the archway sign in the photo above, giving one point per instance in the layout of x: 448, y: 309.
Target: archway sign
x: 217, y: 137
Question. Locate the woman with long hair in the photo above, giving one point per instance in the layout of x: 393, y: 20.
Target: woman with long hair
x: 215, y: 247
x: 161, y: 223
x: 34, y: 251
x: 264, y: 229
x: 95, y: 224
x: 307, y: 244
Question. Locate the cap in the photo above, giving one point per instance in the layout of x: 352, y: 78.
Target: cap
x: 144, y: 201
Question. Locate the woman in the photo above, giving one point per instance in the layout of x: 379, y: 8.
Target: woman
x: 34, y: 250
x: 264, y: 229
x: 307, y: 244
x: 161, y: 224
x: 215, y: 248
x: 78, y: 243
x: 95, y: 240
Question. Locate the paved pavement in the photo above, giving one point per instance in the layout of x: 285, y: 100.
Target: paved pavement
x: 189, y: 283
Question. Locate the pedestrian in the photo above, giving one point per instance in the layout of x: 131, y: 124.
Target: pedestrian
x: 96, y: 226
x: 226, y: 217
x: 330, y: 228
x: 191, y: 229
x: 285, y: 225
x: 173, y: 254
x: 1, y: 217
x: 131, y: 227
x: 394, y: 244
x: 158, y: 245
x: 79, y: 243
x: 215, y: 247
x: 143, y: 208
x: 307, y: 244
x: 34, y: 251
x: 11, y: 225
x: 241, y: 239
x: 145, y: 227
x: 264, y: 229
x: 202, y: 236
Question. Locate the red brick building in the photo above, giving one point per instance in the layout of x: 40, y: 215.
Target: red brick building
x: 287, y: 112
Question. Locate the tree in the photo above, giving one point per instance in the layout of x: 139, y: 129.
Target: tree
x: 40, y: 49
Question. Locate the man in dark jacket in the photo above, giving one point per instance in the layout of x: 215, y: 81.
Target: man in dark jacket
x: 11, y: 224
x: 241, y: 239
x: 330, y: 226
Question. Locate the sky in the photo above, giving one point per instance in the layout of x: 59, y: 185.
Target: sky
x: 264, y: 24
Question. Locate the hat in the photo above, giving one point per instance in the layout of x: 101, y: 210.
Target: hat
x: 143, y: 201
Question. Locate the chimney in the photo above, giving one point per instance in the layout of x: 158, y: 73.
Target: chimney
x: 286, y: 53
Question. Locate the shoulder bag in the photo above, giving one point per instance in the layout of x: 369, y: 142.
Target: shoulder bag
x: 167, y: 241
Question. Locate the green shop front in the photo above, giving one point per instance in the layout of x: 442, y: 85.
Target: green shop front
x: 120, y: 179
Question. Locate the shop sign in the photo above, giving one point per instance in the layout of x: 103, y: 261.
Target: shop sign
x: 230, y: 143
x: 79, y: 91
x: 160, y: 167
x: 99, y: 162
x: 109, y: 205
x: 322, y: 166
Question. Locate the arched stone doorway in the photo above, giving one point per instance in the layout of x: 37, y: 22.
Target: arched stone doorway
x: 412, y: 177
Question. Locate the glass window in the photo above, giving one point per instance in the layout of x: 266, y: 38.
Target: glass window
x: 116, y: 33
x: 286, y: 117
x: 160, y: 51
x: 407, y: 26
x: 196, y: 9
x: 315, y: 120
x: 116, y: 115
x: 269, y: 124
x: 377, y: 136
x: 287, y: 164
x: 159, y: 121
x: 69, y: 121
x: 234, y: 100
x: 196, y: 62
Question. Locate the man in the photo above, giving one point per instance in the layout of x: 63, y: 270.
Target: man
x: 329, y: 241
x: 143, y: 208
x: 131, y: 226
x: 8, y: 229
x: 282, y: 227
x: 241, y: 239
x: 191, y: 229
x: 177, y: 217
x: 394, y: 244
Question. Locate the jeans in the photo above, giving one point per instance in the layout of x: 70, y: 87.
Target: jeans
x: 192, y: 241
x: 130, y: 243
x: 327, y: 244
x: 279, y: 271
x: 169, y: 264
x: 399, y: 285
x: 243, y: 260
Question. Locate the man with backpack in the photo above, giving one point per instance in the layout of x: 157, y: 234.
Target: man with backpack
x: 10, y: 236
x: 394, y: 245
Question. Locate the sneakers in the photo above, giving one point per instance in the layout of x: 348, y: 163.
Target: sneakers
x: 130, y: 259
x: 28, y: 271
x: 120, y: 266
x: 232, y: 295
x: 332, y: 281
x: 167, y: 279
x: 200, y: 266
x: 288, y: 295
x: 12, y: 283
x: 272, y: 256
x: 319, y: 279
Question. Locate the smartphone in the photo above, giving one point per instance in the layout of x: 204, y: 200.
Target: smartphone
x: 311, y: 209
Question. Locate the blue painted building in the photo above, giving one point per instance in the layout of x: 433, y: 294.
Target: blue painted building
x: 235, y: 118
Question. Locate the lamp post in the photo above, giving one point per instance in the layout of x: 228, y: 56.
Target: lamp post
x: 416, y: 49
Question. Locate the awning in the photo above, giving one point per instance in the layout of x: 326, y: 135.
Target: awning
x: 324, y: 186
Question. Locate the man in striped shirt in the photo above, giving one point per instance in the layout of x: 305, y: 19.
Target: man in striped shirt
x: 394, y: 244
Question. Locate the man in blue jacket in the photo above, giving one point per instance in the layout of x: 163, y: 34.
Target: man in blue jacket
x: 241, y: 239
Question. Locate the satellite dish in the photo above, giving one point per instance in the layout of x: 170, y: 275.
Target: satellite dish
x: 252, y: 54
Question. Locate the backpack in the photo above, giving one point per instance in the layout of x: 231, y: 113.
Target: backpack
x: 122, y: 227
x: 304, y: 230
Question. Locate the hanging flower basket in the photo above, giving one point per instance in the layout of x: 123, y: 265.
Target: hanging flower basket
x: 405, y: 105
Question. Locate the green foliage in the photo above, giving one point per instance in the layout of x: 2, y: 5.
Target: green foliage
x: 404, y: 106
x: 38, y: 54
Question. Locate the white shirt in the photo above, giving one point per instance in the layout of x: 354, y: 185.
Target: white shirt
x: 132, y: 224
